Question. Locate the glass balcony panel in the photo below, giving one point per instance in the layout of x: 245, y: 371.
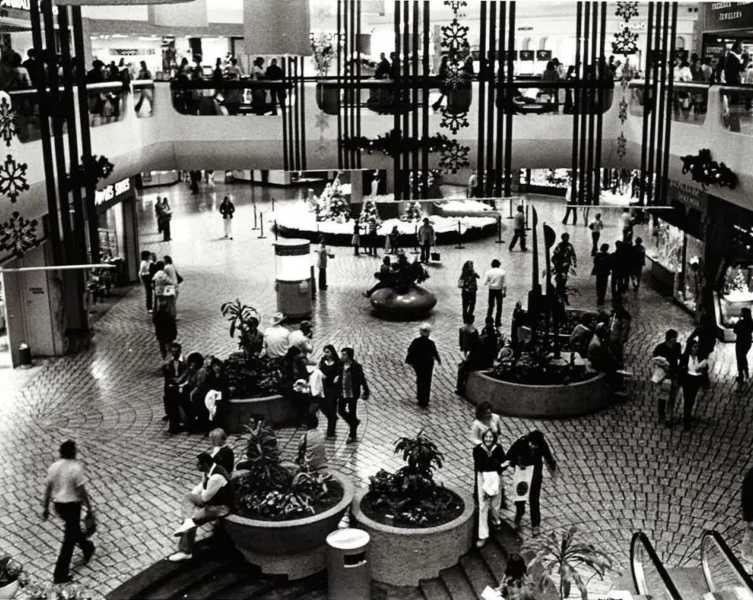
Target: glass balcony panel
x: 737, y: 109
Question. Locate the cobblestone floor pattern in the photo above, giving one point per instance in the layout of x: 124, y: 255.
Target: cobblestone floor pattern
x: 619, y: 471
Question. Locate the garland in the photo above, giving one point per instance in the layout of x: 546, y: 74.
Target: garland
x: 625, y: 43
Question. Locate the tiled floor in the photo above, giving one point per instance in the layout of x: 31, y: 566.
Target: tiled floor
x: 620, y: 471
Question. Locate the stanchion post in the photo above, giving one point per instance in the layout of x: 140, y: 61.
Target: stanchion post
x: 261, y: 227
x: 256, y: 223
x: 459, y: 245
x: 273, y: 204
x: 527, y: 205
x: 510, y: 206
x: 415, y: 241
x: 499, y: 230
x: 275, y: 229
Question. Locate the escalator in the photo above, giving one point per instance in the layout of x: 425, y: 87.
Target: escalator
x: 721, y: 576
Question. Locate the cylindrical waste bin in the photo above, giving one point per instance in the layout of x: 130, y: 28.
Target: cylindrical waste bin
x: 348, y: 568
x: 24, y: 356
x: 293, y: 277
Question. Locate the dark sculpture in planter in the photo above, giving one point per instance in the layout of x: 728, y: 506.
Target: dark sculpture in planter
x: 399, y: 297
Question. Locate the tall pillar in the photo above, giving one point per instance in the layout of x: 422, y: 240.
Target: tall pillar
x: 277, y: 28
x: 186, y: 14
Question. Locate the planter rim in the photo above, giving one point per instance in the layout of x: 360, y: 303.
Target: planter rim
x: 348, y: 490
x: 255, y: 399
x: 542, y: 387
x: 468, y: 509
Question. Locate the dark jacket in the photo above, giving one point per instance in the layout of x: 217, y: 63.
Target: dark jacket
x: 165, y: 328
x: 671, y: 353
x: 747, y: 497
x: 602, y: 264
x: 170, y: 373
x: 225, y: 457
x: 483, y: 461
x: 227, y: 209
x: 744, y: 332
x: 357, y: 379
x: 224, y: 496
x: 523, y: 454
x: 422, y: 353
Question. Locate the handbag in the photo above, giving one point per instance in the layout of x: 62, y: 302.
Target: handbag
x: 89, y: 524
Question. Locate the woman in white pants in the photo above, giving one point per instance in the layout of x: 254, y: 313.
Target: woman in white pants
x: 489, y: 462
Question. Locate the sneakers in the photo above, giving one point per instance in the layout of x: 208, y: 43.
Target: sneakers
x: 179, y: 556
x: 187, y: 525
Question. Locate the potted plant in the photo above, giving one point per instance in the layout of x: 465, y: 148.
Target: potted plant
x: 323, y: 48
x: 283, y: 510
x: 10, y: 571
x: 407, y: 511
x: 561, y: 562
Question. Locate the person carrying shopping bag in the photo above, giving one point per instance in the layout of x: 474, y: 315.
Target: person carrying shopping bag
x: 488, y: 462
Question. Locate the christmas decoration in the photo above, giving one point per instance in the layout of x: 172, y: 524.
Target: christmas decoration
x: 7, y: 120
x: 456, y: 6
x: 626, y: 10
x: 622, y: 113
x: 625, y: 41
x: 339, y: 208
x: 621, y: 146
x: 416, y: 180
x: 18, y: 234
x: 369, y: 211
x: 12, y: 178
x: 413, y: 212
x: 454, y: 157
x: 393, y: 143
x: 453, y: 121
x: 454, y: 35
x: 706, y: 171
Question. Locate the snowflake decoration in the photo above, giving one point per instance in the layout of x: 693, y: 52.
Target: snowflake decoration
x: 625, y: 42
x: 12, y: 178
x: 626, y: 10
x: 7, y: 121
x: 621, y: 146
x: 622, y: 113
x: 454, y: 35
x: 455, y: 6
x: 18, y: 234
x: 454, y: 157
x: 453, y: 121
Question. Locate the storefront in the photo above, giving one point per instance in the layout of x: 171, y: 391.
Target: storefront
x: 118, y: 229
x: 675, y: 247
x: 159, y: 178
x: 724, y: 23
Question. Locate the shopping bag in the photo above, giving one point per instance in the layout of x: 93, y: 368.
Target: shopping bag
x: 521, y: 483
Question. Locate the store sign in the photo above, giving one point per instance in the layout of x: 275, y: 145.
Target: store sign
x: 111, y: 192
x: 132, y: 51
x: 721, y: 16
x: 688, y: 195
x: 19, y: 4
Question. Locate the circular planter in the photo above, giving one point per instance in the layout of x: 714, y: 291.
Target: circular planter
x: 328, y: 98
x: 295, y: 548
x: 554, y: 401
x: 403, y: 556
x: 275, y: 410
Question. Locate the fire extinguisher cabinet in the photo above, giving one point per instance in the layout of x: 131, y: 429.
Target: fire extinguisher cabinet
x: 293, y: 277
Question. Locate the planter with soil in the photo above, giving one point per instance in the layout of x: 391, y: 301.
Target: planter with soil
x: 572, y: 318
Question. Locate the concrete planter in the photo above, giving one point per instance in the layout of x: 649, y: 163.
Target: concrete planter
x: 295, y: 548
x: 275, y: 410
x: 403, y: 556
x: 8, y: 591
x: 328, y: 98
x: 553, y: 401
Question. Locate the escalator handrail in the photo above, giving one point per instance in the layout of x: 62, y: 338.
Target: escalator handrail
x: 721, y: 543
x: 641, y: 538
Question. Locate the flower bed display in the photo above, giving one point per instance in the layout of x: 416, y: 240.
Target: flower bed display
x: 462, y: 208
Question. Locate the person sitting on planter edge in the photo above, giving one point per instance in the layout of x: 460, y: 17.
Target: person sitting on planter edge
x: 311, y: 451
x: 488, y: 463
x: 211, y: 501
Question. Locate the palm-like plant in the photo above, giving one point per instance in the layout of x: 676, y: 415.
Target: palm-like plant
x: 263, y: 458
x: 243, y: 319
x: 563, y: 559
x: 420, y: 453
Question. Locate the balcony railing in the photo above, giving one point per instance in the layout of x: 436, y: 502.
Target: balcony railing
x: 231, y: 97
x: 650, y: 577
x: 737, y: 108
x: 688, y: 104
x: 143, y: 97
x: 722, y: 570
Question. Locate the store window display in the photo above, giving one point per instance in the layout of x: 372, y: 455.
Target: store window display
x: 737, y: 293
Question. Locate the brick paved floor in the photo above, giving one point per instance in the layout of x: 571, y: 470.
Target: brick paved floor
x: 620, y: 471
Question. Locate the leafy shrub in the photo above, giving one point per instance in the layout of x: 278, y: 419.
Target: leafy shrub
x: 250, y: 377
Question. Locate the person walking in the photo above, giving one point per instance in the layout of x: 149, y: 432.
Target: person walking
x: 595, y: 226
x: 321, y: 262
x: 165, y: 327
x: 373, y: 238
x: 66, y: 490
x: 626, y: 223
x: 485, y: 420
x: 472, y: 185
x: 425, y: 240
x: 174, y: 279
x: 227, y: 208
x: 158, y: 213
x: 519, y: 227
x: 744, y: 338
x: 494, y: 279
x: 164, y: 217
x: 330, y: 367
x: 693, y: 373
x: 571, y: 202
x: 531, y: 450
x: 146, y: 278
x: 602, y: 269
x: 468, y: 288
x: 488, y: 464
x: 671, y: 351
x: 422, y: 354
x: 352, y: 384
x: 470, y: 347
x: 638, y: 261
x: 356, y: 239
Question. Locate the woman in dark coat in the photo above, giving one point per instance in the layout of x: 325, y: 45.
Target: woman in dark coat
x: 165, y: 328
x: 330, y: 366
x: 531, y: 450
x: 744, y: 339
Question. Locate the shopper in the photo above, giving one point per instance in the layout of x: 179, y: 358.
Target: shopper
x: 602, y: 269
x: 330, y: 367
x: 221, y: 452
x: 353, y: 386
x: 227, y: 208
x: 485, y: 420
x: 294, y: 383
x: 596, y: 227
x: 671, y: 351
x: 488, y: 464
x: 426, y: 240
x: 491, y: 340
x: 215, y: 392
x: 626, y: 222
x: 469, y: 343
x: 312, y: 453
x: 66, y: 490
x: 146, y: 278
x: 302, y: 337
x: 356, y: 239
x: 422, y: 354
x: 172, y: 372
x: 373, y: 238
x: 619, y: 333
x: 571, y: 203
x: 531, y: 450
x: 494, y: 279
x: 693, y: 373
x: 164, y: 217
x: 276, y: 338
x: 744, y: 337
x: 468, y: 288
x: 519, y: 228
x: 174, y: 279
x: 211, y: 499
x: 165, y: 327
x: 638, y: 262
x: 323, y: 256
x: 158, y: 214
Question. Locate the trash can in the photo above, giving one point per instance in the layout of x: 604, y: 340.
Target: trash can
x: 24, y: 356
x: 348, y: 569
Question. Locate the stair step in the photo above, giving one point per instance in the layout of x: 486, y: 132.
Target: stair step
x: 311, y: 588
x: 456, y: 583
x: 192, y: 572
x: 434, y: 589
x: 248, y: 588
x: 477, y: 572
x: 690, y: 582
x: 148, y: 578
x: 495, y: 559
x: 214, y: 585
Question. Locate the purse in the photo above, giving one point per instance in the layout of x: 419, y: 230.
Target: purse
x: 89, y: 524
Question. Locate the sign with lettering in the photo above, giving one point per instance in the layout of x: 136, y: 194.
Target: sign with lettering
x: 111, y: 194
x: 526, y: 55
x: 132, y: 51
x: 724, y: 16
x: 688, y: 195
x: 19, y: 4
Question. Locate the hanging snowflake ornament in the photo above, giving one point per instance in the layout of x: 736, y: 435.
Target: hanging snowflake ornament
x: 12, y: 178
x: 456, y: 6
x: 454, y: 157
x: 626, y: 10
x: 18, y: 234
x: 621, y: 146
x: 7, y: 119
x: 625, y: 41
x: 453, y: 121
x: 454, y: 35
x: 622, y: 110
